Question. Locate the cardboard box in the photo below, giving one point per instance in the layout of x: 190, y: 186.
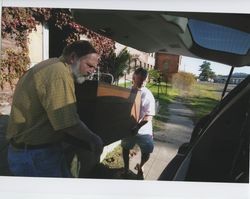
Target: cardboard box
x: 109, y: 111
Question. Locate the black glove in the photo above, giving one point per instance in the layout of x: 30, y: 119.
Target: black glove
x: 97, y: 144
x: 136, y: 128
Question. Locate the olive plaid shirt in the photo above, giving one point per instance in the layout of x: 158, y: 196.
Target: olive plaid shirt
x: 43, y: 103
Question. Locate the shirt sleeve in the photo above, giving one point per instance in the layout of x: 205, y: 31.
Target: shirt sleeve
x: 58, y: 99
x: 148, y: 104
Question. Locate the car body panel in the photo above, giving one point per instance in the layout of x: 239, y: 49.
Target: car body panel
x: 168, y: 32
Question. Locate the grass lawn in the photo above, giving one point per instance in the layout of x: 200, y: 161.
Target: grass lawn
x: 114, y: 158
x: 202, y: 98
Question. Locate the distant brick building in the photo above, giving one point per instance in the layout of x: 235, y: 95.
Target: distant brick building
x: 168, y: 64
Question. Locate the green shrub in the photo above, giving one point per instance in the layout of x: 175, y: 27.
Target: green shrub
x: 183, y: 81
x: 153, y: 75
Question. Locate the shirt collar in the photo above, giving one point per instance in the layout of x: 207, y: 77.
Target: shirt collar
x: 62, y: 59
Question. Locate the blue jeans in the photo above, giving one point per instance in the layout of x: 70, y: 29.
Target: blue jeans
x: 46, y: 162
x: 145, y: 143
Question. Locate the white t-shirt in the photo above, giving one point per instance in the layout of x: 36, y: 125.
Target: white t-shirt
x: 147, y: 108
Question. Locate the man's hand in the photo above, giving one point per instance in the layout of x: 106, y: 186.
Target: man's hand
x: 136, y: 128
x: 96, y: 145
x: 81, y: 132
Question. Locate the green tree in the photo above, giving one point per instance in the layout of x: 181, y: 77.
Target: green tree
x: 116, y: 64
x: 153, y: 75
x: 206, y: 71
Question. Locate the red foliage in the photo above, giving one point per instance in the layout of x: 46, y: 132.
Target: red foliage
x: 19, y: 22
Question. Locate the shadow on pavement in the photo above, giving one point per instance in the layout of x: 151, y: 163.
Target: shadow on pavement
x: 103, y: 172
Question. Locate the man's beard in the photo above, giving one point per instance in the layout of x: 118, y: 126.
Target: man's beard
x: 80, y: 78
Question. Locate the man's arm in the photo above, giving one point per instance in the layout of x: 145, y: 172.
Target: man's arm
x: 147, y: 118
x: 82, y: 132
x: 144, y: 120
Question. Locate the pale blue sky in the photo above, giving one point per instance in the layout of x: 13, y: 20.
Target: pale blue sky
x: 191, y: 65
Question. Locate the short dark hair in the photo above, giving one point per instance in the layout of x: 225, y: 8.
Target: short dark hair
x: 80, y: 47
x: 142, y: 72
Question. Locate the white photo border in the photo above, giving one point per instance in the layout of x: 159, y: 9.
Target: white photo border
x: 26, y: 187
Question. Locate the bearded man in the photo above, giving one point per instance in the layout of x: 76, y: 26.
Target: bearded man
x: 44, y: 112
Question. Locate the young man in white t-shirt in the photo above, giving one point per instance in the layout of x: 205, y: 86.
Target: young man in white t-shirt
x: 143, y: 132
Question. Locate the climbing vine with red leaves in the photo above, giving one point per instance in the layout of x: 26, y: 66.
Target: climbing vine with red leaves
x: 18, y: 23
